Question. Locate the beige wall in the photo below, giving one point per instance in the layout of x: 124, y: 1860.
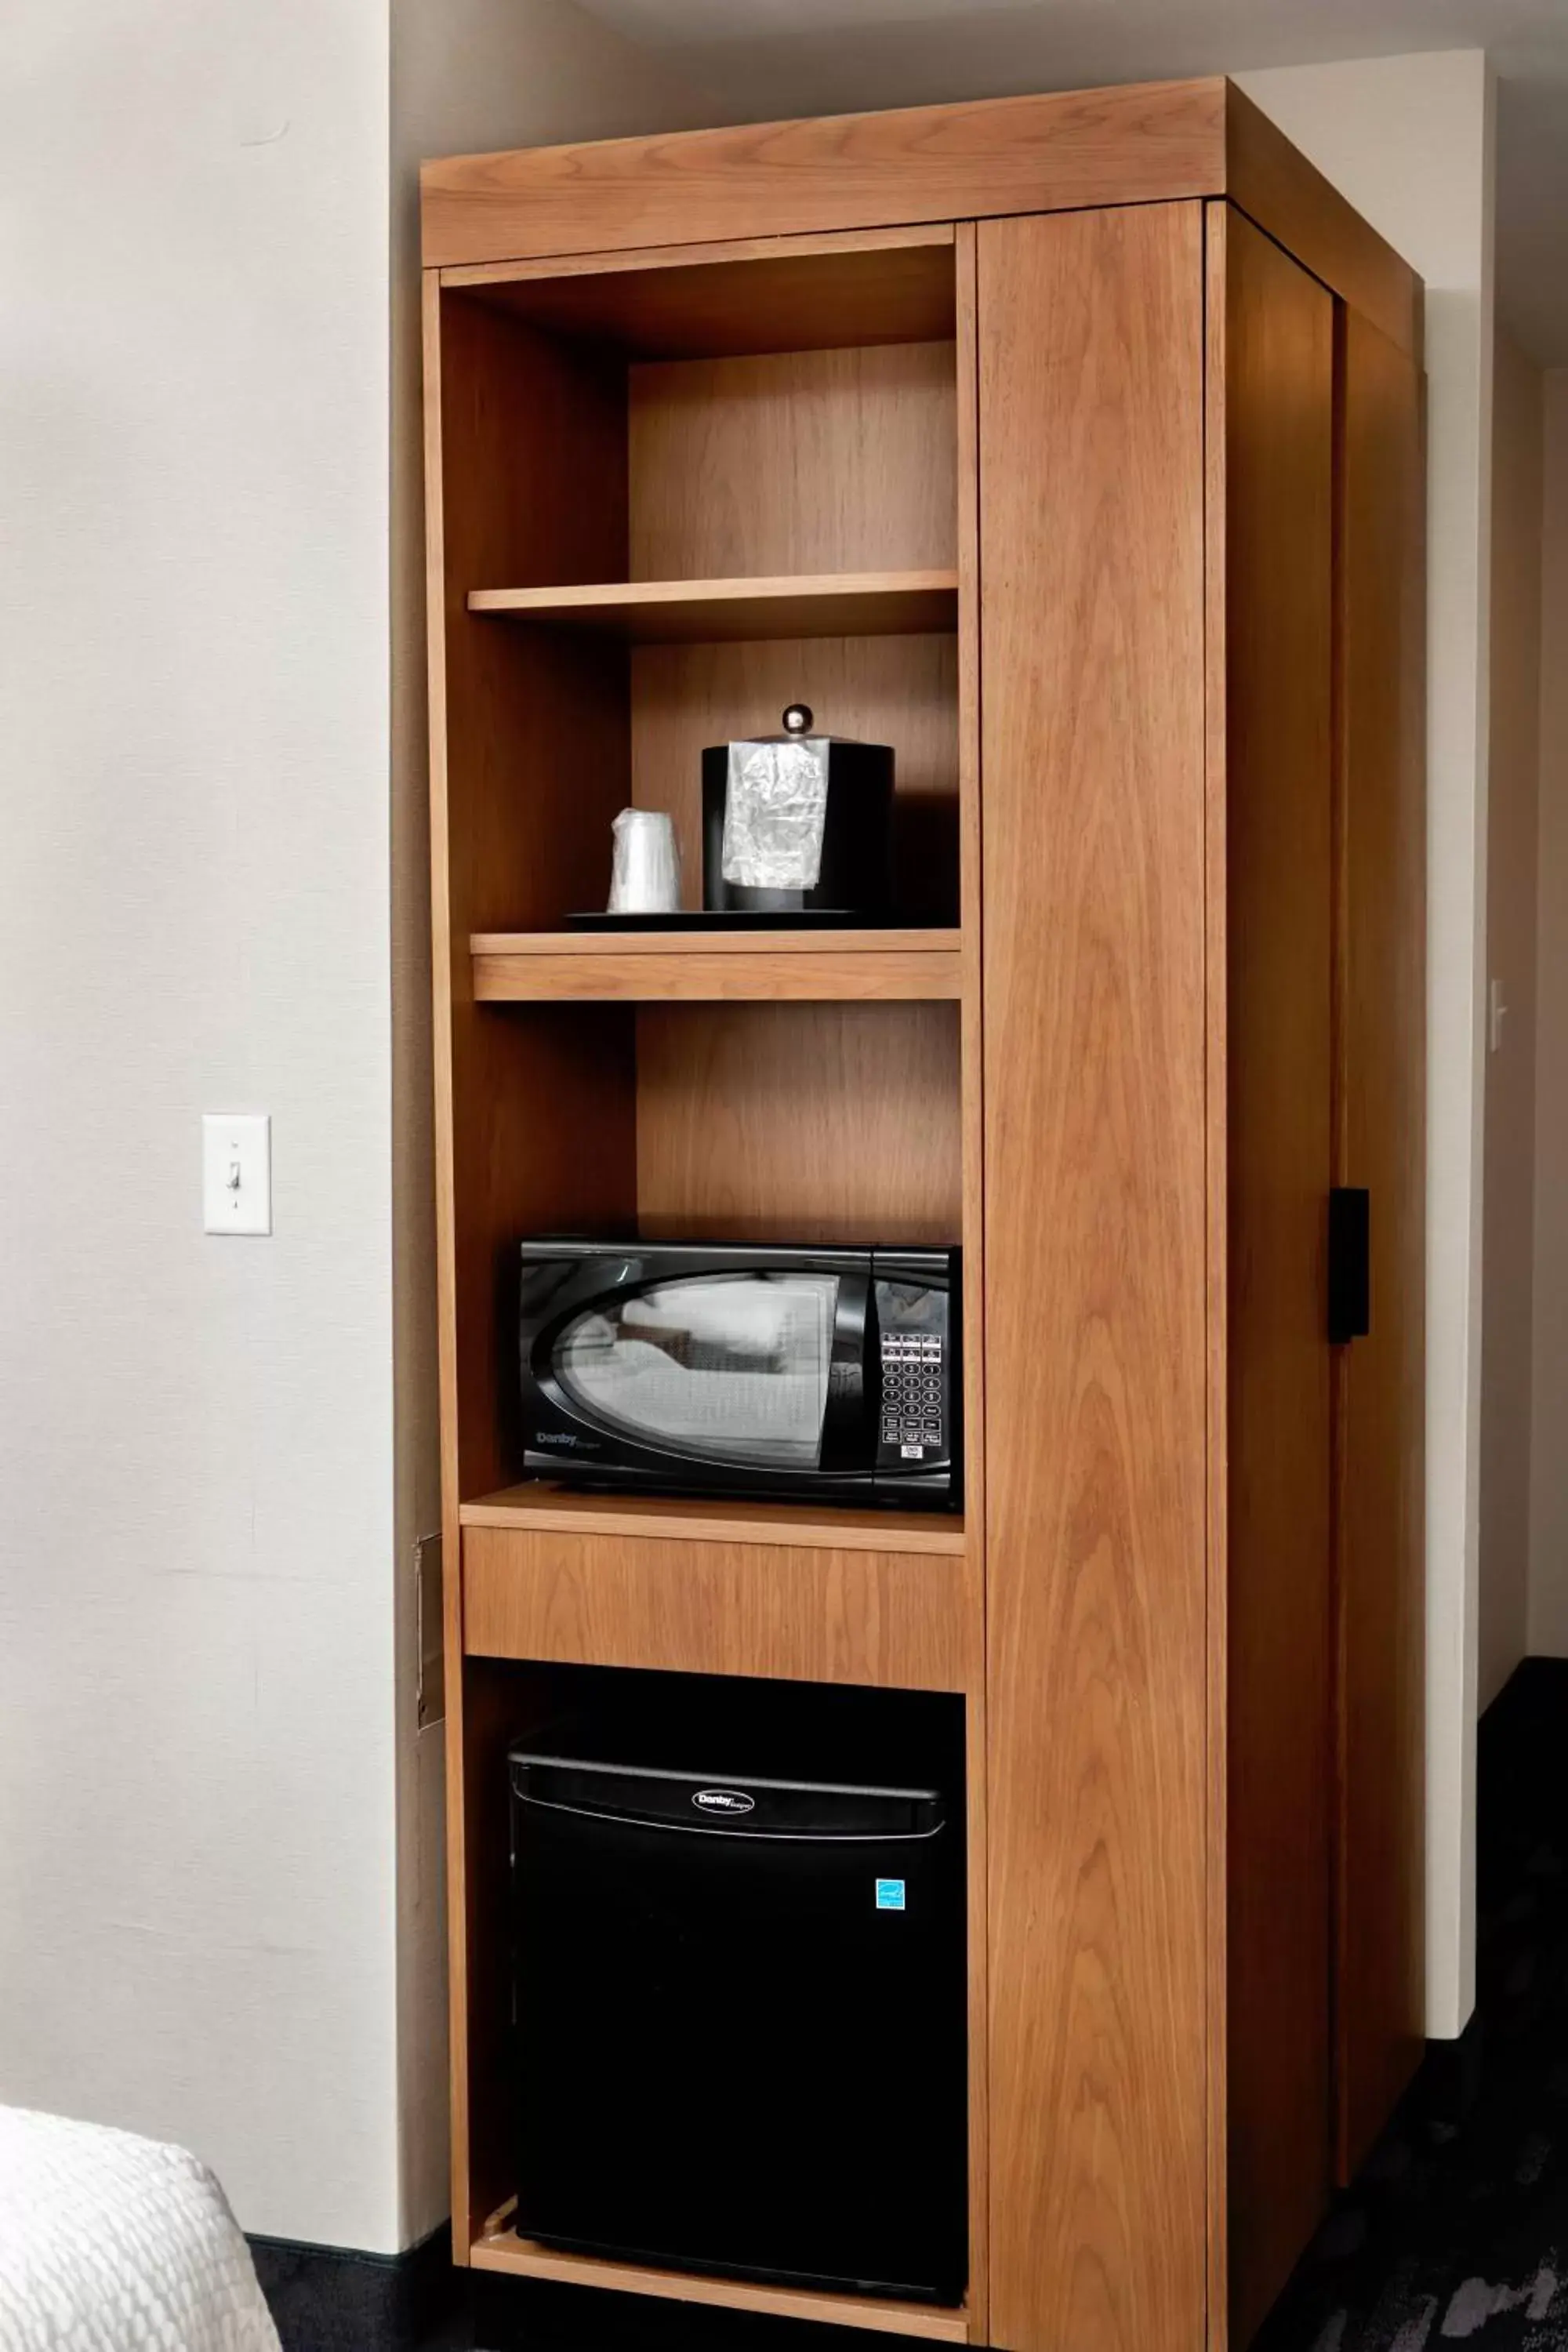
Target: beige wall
x: 1512, y: 873
x: 1549, y: 1437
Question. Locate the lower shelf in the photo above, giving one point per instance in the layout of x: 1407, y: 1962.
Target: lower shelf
x: 503, y: 2250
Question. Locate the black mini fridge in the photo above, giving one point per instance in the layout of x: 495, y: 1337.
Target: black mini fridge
x: 740, y: 2017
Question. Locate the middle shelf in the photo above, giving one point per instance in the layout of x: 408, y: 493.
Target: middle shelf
x: 537, y: 1507
x: 710, y: 967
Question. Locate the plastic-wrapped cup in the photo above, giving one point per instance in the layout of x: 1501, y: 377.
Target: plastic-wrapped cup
x: 644, y: 868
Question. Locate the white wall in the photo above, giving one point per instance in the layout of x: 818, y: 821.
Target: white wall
x: 1409, y: 140
x: 1511, y: 885
x: 196, y: 1787
x: 220, y: 1831
x: 1549, y: 1437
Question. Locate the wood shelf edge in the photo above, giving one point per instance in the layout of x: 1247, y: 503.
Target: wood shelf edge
x: 834, y: 603
x: 568, y: 595
x: 711, y: 253
x: 503, y: 2250
x: 696, y: 969
x: 932, y: 940
x: 542, y: 1510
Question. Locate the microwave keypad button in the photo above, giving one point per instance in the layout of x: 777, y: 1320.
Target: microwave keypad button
x: 912, y: 1416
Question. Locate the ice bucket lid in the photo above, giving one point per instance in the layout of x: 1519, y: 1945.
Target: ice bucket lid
x: 799, y: 727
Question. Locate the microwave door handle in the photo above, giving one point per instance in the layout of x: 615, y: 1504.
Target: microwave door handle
x: 849, y: 1418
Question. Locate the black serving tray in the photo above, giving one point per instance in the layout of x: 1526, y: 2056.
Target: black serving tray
x: 747, y: 918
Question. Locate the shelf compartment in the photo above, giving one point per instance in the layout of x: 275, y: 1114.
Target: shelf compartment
x: 536, y: 1505
x: 707, y: 966
x: 709, y: 612
x: 793, y: 1611
x: 824, y: 293
x: 503, y: 2250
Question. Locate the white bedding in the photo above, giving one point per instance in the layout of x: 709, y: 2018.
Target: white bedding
x: 113, y: 2244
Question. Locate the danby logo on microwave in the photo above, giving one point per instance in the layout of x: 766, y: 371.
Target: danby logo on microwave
x: 723, y: 1800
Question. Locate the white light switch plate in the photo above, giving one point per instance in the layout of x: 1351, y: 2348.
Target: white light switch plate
x: 237, y: 1172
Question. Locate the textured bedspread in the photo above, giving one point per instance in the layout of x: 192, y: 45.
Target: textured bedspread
x: 112, y: 2243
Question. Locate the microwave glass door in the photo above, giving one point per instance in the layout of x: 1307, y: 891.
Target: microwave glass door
x: 728, y: 1367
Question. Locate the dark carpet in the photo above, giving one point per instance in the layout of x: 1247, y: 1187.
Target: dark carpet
x: 1457, y: 2230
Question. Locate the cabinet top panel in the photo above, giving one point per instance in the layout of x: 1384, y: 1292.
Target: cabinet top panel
x: 1141, y: 144
x: 830, y: 172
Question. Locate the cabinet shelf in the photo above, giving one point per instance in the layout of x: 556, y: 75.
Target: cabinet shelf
x: 538, y: 1508
x: 711, y: 967
x: 503, y: 2250
x: 707, y: 612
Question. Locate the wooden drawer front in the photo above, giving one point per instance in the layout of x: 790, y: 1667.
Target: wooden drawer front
x: 899, y: 1619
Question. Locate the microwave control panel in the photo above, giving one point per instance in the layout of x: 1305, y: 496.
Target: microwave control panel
x: 914, y: 1412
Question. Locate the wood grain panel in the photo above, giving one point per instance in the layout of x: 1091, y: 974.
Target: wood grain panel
x: 1091, y: 526
x: 799, y: 1123
x: 528, y: 764
x: 1380, y: 1379
x: 826, y: 604
x: 898, y: 691
x: 498, y: 399
x: 1273, y: 183
x: 688, y: 974
x: 1123, y: 146
x: 761, y: 294
x: 1218, y: 1217
x: 503, y: 2250
x: 973, y: 1149
x: 737, y: 947
x: 897, y: 1620
x: 1277, y: 519
x: 795, y: 462
x: 694, y: 1518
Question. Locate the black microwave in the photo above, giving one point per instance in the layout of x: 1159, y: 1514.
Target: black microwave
x: 825, y: 1375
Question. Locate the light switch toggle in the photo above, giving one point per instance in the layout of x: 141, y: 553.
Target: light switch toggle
x: 237, y: 1172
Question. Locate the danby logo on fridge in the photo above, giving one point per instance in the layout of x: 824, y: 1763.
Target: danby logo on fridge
x: 723, y: 1800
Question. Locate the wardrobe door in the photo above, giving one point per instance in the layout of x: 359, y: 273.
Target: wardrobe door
x: 1381, y: 1145
x: 1092, y: 530
x: 1271, y: 437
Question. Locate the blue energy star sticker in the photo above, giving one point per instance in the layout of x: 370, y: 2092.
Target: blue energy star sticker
x: 889, y: 1895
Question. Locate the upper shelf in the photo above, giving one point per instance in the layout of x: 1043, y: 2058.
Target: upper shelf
x: 717, y: 301
x: 704, y: 612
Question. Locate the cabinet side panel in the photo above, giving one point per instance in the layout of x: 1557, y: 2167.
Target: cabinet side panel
x: 1091, y: 520
x: 535, y: 1111
x: 529, y: 763
x: 1278, y: 523
x: 1380, y: 1379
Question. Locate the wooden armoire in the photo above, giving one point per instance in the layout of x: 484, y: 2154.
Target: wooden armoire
x: 1072, y: 445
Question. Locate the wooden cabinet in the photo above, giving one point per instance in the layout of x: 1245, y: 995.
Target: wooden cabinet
x: 1097, y: 495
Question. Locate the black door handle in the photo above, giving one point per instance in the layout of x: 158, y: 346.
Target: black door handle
x: 1350, y: 1266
